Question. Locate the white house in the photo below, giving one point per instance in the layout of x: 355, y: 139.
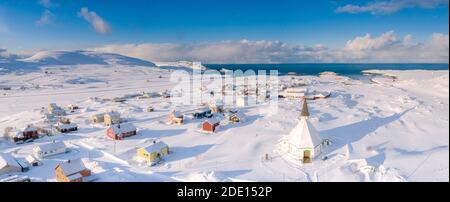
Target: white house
x: 294, y: 92
x: 8, y: 164
x: 50, y: 149
x: 303, y: 142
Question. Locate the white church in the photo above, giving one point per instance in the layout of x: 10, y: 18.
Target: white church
x: 303, y: 143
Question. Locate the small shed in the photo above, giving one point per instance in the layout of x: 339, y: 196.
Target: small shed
x: 121, y: 131
x: 153, y: 153
x: 210, y: 125
x: 33, y: 161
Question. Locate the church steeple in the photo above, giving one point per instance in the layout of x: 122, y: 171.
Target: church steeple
x: 305, y: 112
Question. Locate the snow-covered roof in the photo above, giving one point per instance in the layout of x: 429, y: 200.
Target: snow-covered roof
x: 155, y: 147
x: 72, y: 166
x: 113, y: 114
x: 7, y: 159
x: 177, y: 114
x: 30, y: 128
x: 67, y: 126
x: 15, y: 133
x: 51, y: 146
x: 98, y: 115
x: 31, y: 159
x: 304, y: 135
x: 75, y: 176
x: 122, y: 128
x: 212, y: 121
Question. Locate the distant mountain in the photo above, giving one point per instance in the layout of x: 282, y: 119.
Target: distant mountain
x: 77, y: 57
x: 84, y: 57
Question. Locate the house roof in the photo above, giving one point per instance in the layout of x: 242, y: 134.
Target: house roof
x: 122, y: 128
x: 15, y: 133
x: 51, y: 146
x: 112, y: 114
x: 304, y: 135
x: 98, y: 115
x: 31, y: 159
x: 212, y: 121
x: 72, y: 166
x: 177, y: 114
x: 30, y: 128
x: 6, y: 159
x: 67, y: 126
x: 155, y: 147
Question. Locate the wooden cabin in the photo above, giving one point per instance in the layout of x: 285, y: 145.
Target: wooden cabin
x: 72, y: 171
x: 210, y: 125
x: 153, y: 153
x: 121, y: 131
x: 175, y: 117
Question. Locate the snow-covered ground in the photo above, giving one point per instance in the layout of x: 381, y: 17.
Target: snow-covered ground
x: 394, y: 129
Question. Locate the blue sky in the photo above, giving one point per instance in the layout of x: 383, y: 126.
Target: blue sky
x: 201, y: 21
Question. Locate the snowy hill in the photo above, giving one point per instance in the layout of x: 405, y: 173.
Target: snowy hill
x: 84, y: 57
x: 77, y: 57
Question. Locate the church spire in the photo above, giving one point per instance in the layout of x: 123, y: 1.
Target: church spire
x: 305, y: 112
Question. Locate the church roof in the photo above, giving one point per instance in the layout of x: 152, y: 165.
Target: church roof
x: 304, y: 135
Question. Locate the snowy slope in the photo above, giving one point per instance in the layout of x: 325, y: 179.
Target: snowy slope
x: 69, y: 58
x: 78, y: 57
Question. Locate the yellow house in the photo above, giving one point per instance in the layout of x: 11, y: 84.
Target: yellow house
x: 111, y: 118
x: 153, y: 153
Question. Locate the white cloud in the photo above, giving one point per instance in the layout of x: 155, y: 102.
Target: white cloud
x: 45, y: 18
x: 384, y: 48
x: 100, y: 25
x: 390, y: 6
x: 367, y: 42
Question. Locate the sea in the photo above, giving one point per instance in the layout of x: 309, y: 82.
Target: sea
x: 339, y: 68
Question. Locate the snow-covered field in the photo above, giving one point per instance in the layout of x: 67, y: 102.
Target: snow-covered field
x: 395, y: 129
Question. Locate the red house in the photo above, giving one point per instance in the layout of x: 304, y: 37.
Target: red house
x: 120, y: 131
x: 210, y: 125
x: 30, y: 132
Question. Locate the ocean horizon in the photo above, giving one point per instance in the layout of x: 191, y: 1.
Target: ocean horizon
x: 339, y: 68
